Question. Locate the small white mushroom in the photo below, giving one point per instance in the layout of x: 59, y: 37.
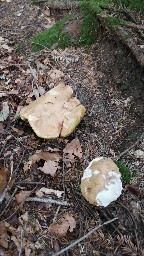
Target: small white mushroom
x: 101, y: 183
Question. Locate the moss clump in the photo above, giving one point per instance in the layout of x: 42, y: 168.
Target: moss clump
x: 94, y: 6
x: 53, y: 35
x: 132, y: 4
x: 125, y: 172
x: 88, y: 29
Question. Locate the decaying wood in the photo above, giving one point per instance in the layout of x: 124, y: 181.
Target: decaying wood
x: 126, y: 36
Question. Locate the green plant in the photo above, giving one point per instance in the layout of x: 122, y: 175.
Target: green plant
x: 53, y: 35
x: 125, y: 172
x: 132, y: 4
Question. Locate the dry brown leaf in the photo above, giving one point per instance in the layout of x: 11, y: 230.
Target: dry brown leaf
x: 55, y: 74
x: 3, y: 235
x: 134, y: 190
x: 50, y: 191
x: 67, y: 223
x: 22, y: 196
x: 50, y: 167
x: 4, y: 173
x: 11, y: 229
x: 45, y: 156
x: 37, y: 92
x: 72, y: 150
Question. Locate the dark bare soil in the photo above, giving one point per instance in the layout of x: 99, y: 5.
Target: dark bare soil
x: 110, y: 84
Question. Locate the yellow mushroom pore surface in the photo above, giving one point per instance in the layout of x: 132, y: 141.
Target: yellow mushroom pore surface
x: 101, y: 182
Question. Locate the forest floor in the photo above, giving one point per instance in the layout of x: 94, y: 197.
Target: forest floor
x: 109, y: 83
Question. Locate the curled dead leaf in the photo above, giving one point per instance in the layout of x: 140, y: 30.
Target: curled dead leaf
x: 60, y: 229
x: 55, y: 74
x: 50, y: 167
x: 72, y: 150
x: 22, y: 196
x: 3, y: 235
x: 45, y: 156
x: 4, y: 173
x: 50, y: 191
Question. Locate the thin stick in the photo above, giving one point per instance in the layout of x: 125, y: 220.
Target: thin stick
x: 47, y: 201
x: 13, y: 194
x: 132, y: 146
x: 83, y: 237
x: 29, y: 183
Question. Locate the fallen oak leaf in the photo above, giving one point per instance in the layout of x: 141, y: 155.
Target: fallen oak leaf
x: 67, y: 223
x: 55, y: 74
x: 50, y: 167
x: 21, y: 197
x: 45, y: 156
x: 3, y: 235
x: 72, y: 150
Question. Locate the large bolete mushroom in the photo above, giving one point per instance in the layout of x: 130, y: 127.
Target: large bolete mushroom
x: 101, y: 183
x: 54, y: 114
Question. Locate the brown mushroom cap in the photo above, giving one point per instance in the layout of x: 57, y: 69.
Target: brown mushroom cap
x: 54, y: 114
x: 97, y: 178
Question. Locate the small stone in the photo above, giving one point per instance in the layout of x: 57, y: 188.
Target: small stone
x: 139, y: 154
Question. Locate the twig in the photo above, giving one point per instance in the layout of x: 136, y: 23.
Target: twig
x: 29, y: 183
x: 21, y: 241
x: 133, y: 25
x: 83, y: 237
x: 41, y: 45
x: 47, y: 201
x: 4, y: 210
x: 135, y: 229
x: 132, y: 146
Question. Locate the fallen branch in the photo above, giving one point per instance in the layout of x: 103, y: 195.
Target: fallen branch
x: 83, y: 237
x: 126, y: 36
x: 47, y: 201
x: 132, y: 146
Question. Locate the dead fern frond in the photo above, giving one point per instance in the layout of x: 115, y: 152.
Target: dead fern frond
x: 101, y: 241
x: 127, y: 246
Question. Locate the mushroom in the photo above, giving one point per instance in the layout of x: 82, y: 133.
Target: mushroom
x: 101, y: 183
x: 54, y: 114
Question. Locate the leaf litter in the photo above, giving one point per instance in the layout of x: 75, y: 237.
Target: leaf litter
x: 97, y: 83
x: 65, y: 224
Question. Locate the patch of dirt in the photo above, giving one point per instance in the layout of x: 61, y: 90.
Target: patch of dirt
x: 109, y: 83
x: 72, y: 27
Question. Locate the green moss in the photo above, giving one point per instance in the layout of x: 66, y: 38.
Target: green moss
x: 94, y: 6
x: 88, y: 28
x: 132, y: 4
x: 53, y: 35
x: 125, y: 172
